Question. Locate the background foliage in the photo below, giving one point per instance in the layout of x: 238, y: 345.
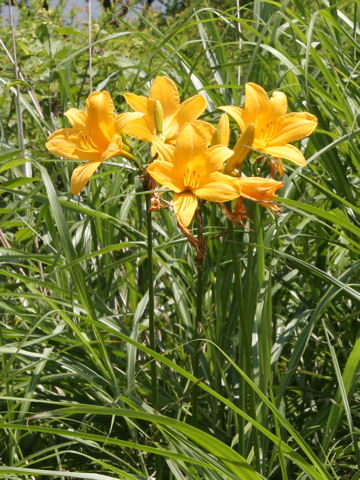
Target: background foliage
x: 278, y: 343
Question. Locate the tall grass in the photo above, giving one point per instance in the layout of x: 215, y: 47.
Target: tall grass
x: 277, y: 349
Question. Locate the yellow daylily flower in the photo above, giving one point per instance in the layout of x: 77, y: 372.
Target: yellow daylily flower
x: 191, y: 169
x: 164, y: 115
x: 274, y: 128
x: 95, y: 136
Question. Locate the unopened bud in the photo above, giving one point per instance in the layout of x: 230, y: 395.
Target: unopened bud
x: 242, y: 148
x: 159, y: 117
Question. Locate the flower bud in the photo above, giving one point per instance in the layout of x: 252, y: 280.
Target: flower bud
x: 159, y: 117
x: 242, y: 148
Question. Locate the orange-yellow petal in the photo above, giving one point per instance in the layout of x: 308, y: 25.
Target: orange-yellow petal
x: 256, y: 101
x: 82, y: 174
x: 236, y: 113
x: 166, y: 174
x: 191, y: 147
x: 224, y: 130
x: 165, y: 90
x: 258, y: 188
x: 76, y: 117
x: 144, y: 127
x: 293, y: 126
x: 100, y: 117
x: 139, y: 103
x: 165, y: 150
x: 185, y: 205
x: 124, y: 118
x: 205, y: 129
x: 219, y: 188
x: 286, y: 151
x: 188, y: 111
x: 139, y: 129
x: 218, y: 154
x: 114, y: 148
x: 69, y: 143
x: 278, y: 104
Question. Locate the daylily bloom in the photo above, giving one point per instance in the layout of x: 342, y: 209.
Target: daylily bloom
x: 192, y: 171
x: 95, y: 136
x: 274, y: 128
x: 164, y: 115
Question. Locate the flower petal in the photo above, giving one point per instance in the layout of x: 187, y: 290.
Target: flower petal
x: 100, y: 117
x: 139, y: 103
x: 138, y: 129
x: 256, y: 102
x: 185, y: 204
x: 219, y: 188
x: 166, y: 174
x: 68, y: 143
x: 205, y: 129
x: 218, y: 154
x: 165, y: 150
x: 286, y: 151
x: 190, y: 148
x: 236, y: 113
x: 82, y: 174
x: 292, y: 127
x: 258, y: 188
x: 76, y: 117
x: 224, y: 130
x: 114, y: 149
x: 124, y: 118
x: 278, y: 104
x: 188, y: 111
x: 165, y: 90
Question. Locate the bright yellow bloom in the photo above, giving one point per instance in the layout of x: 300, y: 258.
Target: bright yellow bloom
x: 192, y: 170
x: 274, y: 128
x: 164, y: 115
x: 95, y: 136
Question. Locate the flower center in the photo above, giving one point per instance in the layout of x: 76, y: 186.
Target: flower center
x: 88, y: 142
x: 267, y: 131
x: 191, y: 179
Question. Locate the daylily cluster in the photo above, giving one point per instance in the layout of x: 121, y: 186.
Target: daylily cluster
x: 191, y: 157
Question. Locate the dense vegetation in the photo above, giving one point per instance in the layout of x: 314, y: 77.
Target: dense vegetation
x: 263, y: 382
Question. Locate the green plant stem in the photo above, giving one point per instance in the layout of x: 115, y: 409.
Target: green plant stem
x: 154, y: 384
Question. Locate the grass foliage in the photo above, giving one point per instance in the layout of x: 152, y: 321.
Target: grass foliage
x: 278, y: 347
